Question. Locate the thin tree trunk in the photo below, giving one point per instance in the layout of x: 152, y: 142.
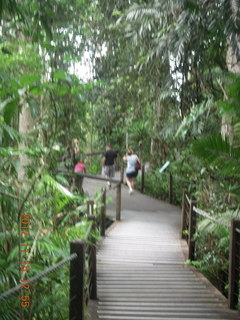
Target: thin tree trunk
x: 25, y: 127
x: 233, y: 40
x: 233, y: 65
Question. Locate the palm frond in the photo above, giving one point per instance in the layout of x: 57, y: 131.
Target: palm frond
x: 61, y: 196
x: 236, y: 130
x: 58, y: 187
x: 169, y: 130
x: 222, y: 222
x: 191, y: 121
x: 219, y: 153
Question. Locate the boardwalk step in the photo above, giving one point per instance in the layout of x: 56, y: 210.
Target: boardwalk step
x: 164, y: 305
x: 214, y: 314
x: 194, y: 317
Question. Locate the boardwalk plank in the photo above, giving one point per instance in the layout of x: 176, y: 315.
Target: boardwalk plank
x: 142, y: 273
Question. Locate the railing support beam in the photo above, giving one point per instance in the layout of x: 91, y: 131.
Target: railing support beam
x: 103, y: 213
x: 122, y: 171
x: 90, y: 205
x: 184, y: 214
x: 118, y: 202
x: 76, y: 307
x: 170, y: 193
x: 234, y: 265
x: 93, y: 261
x: 191, y: 230
x: 142, y: 177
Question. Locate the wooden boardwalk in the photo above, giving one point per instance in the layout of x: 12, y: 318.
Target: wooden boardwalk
x: 141, y: 268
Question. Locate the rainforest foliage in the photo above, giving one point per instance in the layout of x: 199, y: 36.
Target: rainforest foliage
x: 159, y: 76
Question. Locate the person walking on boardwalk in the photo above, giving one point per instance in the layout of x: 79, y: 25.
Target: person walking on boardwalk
x: 108, y: 163
x: 81, y: 168
x: 133, y: 165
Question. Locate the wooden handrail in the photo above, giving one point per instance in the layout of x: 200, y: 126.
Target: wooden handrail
x: 89, y: 176
x: 206, y: 215
x: 234, y: 256
x: 185, y: 181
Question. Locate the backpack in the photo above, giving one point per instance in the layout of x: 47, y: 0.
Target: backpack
x: 138, y: 165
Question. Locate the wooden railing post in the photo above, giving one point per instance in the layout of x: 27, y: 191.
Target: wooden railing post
x: 234, y: 264
x: 76, y: 305
x: 90, y: 204
x: 142, y: 177
x: 118, y: 202
x: 122, y: 171
x: 103, y: 213
x: 191, y: 230
x: 170, y: 192
x: 184, y: 214
x: 93, y: 261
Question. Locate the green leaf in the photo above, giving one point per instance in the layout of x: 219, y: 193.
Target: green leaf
x: 12, y: 133
x: 14, y: 84
x: 4, y: 104
x: 226, y: 105
x: 234, y: 90
x: 116, y: 13
x: 8, y: 109
x: 191, y: 5
x: 4, y: 152
x: 36, y: 90
x: 60, y: 75
x: 29, y: 79
x: 63, y: 90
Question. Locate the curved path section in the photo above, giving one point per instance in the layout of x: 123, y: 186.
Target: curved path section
x: 141, y: 267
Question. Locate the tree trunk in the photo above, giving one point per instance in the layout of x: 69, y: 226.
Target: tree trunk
x: 233, y: 65
x: 233, y: 52
x: 25, y: 127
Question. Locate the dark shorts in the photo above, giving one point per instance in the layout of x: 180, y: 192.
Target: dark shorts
x: 109, y: 171
x: 132, y: 174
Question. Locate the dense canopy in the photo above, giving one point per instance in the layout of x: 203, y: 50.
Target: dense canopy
x: 159, y: 76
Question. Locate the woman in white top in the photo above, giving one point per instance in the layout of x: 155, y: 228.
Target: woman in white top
x: 131, y: 171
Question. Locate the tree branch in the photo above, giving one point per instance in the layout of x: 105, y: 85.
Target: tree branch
x: 9, y: 195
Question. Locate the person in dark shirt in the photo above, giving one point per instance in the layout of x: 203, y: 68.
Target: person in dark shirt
x: 108, y: 162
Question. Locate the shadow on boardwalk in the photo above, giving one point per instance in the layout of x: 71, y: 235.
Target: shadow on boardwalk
x: 141, y: 266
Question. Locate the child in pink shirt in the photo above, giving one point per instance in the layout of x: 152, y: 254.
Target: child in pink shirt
x: 80, y: 167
